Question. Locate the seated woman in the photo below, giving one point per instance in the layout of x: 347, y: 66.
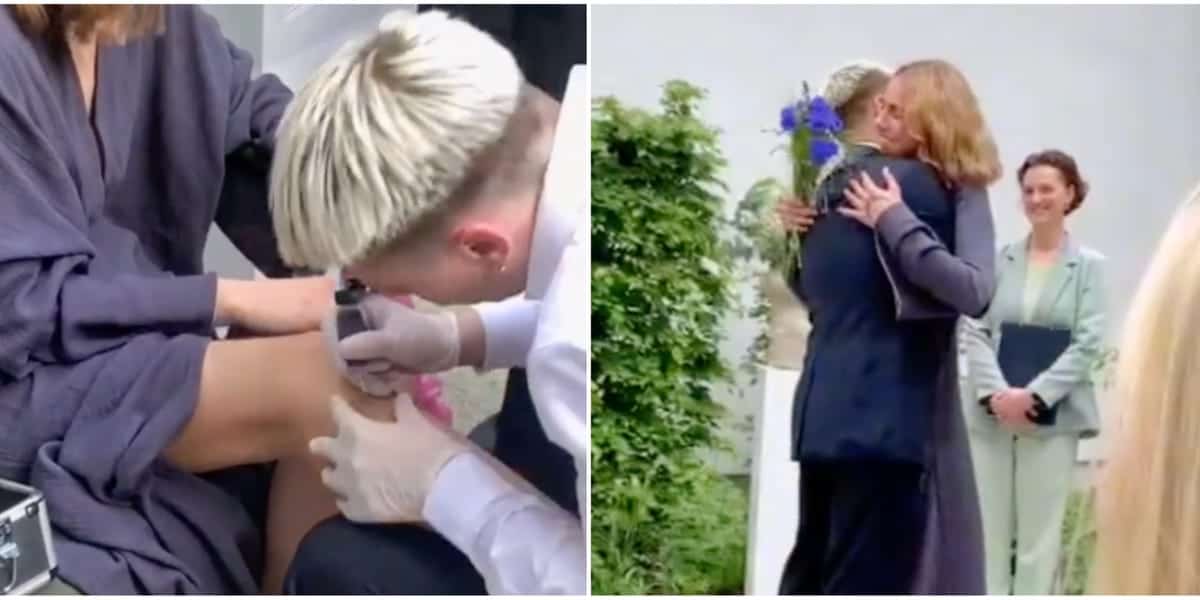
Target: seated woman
x: 1148, y: 522
x: 116, y: 124
x: 1050, y: 306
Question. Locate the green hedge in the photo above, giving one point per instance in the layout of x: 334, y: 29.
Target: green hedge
x: 662, y: 520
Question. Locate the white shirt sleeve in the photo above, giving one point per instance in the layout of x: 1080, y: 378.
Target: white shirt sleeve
x: 558, y: 383
x: 508, y: 328
x: 520, y: 542
x: 558, y: 362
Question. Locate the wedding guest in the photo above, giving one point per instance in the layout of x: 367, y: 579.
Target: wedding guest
x: 1148, y: 496
x: 1031, y: 362
x: 887, y: 496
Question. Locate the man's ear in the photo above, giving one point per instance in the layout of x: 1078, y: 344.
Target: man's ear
x: 481, y: 242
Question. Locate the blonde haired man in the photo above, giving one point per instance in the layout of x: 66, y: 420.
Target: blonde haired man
x: 421, y: 162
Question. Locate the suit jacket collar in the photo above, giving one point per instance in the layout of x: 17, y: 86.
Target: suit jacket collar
x: 863, y: 149
x: 1062, y: 274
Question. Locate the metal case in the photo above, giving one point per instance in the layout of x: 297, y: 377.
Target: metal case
x: 27, y: 560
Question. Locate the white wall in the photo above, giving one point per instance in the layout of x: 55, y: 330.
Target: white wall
x: 290, y: 41
x: 297, y: 38
x: 242, y: 24
x: 1117, y: 86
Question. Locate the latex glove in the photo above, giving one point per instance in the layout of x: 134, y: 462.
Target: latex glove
x: 401, y: 338
x: 376, y: 378
x: 382, y: 472
x: 413, y: 341
x: 383, y: 380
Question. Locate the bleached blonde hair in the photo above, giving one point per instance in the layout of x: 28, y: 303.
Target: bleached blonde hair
x: 1148, y: 497
x: 845, y: 81
x: 384, y: 133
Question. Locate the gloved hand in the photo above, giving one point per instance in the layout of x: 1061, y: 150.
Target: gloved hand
x: 402, y: 340
x: 382, y: 472
x: 383, y: 379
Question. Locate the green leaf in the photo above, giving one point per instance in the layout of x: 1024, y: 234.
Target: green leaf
x: 662, y: 285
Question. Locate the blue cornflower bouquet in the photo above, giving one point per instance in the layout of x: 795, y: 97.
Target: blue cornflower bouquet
x: 812, y: 128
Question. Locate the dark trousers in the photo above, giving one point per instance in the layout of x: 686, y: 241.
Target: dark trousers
x: 522, y: 445
x: 862, y: 528
x: 339, y: 557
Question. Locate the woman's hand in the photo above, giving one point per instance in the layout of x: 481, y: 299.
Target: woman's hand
x: 795, y: 214
x: 274, y: 306
x: 1013, y: 407
x: 867, y: 201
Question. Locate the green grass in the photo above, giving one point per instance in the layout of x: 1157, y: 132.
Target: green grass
x: 706, y: 554
x: 1079, y: 543
x: 699, y: 547
x: 705, y: 549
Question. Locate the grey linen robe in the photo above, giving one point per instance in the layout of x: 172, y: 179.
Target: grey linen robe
x: 105, y: 313
x: 964, y: 280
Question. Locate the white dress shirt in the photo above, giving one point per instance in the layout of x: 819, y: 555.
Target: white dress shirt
x: 521, y: 542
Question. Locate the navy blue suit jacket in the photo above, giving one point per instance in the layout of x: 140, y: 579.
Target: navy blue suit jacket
x: 869, y: 379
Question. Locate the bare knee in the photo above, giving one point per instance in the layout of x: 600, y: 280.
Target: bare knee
x: 264, y: 399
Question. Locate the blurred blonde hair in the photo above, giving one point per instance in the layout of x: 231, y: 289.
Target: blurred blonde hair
x: 1148, y: 497
x: 57, y: 21
x: 384, y: 133
x: 943, y: 114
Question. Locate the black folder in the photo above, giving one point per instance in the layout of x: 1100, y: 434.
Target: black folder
x: 1025, y: 352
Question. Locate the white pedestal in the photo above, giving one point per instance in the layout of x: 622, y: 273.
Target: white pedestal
x: 774, y: 479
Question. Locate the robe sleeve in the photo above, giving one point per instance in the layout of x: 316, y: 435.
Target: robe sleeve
x: 256, y: 103
x: 963, y: 278
x: 52, y: 308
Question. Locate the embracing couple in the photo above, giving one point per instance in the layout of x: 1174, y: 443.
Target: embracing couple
x: 899, y: 243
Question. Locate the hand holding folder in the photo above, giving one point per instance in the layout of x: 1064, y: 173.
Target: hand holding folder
x: 1025, y: 352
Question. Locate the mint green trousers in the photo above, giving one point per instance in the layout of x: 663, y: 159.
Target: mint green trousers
x: 1024, y: 484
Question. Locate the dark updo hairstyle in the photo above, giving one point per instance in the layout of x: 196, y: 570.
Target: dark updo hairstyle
x: 1067, y: 169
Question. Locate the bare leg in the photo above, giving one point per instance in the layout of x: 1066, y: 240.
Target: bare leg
x: 299, y: 501
x: 263, y: 400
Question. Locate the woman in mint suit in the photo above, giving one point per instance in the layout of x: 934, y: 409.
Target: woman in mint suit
x: 1024, y: 471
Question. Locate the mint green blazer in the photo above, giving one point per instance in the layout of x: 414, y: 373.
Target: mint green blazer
x: 1072, y: 297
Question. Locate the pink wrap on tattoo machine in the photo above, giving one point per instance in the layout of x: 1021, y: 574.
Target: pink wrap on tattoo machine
x: 427, y: 389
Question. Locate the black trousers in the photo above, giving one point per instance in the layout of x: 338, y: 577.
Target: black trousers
x: 339, y: 557
x: 862, y: 529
